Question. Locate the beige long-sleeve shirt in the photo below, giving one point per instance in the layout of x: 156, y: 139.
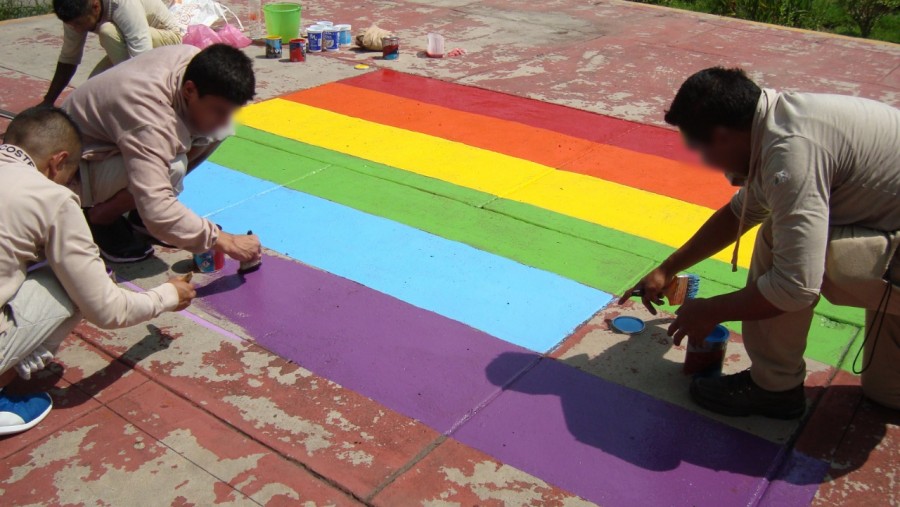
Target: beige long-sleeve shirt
x: 134, y: 18
x: 136, y: 109
x: 818, y: 161
x: 40, y: 220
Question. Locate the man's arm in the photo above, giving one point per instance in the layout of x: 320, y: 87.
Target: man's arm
x: 61, y: 79
x: 75, y: 260
x: 69, y: 57
x: 131, y: 19
x: 717, y: 233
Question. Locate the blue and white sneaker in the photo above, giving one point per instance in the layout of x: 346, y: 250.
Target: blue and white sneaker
x: 21, y: 413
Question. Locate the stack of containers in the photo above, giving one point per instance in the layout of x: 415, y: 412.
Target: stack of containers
x: 326, y: 36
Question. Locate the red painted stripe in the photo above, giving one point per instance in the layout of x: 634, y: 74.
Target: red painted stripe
x: 594, y: 127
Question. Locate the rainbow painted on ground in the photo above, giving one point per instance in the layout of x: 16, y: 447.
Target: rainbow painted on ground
x: 448, y: 238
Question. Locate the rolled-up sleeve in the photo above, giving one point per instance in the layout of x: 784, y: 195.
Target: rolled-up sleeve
x: 73, y: 46
x: 148, y: 155
x: 796, y: 180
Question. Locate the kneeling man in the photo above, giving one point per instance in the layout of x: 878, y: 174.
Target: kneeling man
x: 41, y: 220
x: 821, y: 173
x: 146, y: 124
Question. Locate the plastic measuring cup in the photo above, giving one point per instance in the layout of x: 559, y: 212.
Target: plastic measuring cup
x: 435, y: 45
x: 283, y: 19
x: 707, y: 359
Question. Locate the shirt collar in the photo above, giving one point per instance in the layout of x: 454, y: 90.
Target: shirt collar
x: 11, y: 153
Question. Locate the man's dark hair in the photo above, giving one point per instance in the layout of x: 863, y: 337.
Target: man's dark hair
x: 44, y: 130
x: 223, y: 71
x: 714, y: 97
x: 67, y: 10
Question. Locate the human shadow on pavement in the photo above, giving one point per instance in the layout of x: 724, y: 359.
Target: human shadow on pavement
x: 635, y: 427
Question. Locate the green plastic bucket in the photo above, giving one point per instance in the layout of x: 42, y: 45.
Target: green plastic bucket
x: 283, y: 19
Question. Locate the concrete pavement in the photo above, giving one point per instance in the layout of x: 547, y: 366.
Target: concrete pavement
x: 191, y: 410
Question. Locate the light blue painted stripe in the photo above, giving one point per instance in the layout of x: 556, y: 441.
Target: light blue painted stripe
x: 520, y: 304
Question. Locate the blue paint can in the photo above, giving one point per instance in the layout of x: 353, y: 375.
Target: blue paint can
x: 314, y: 38
x: 331, y: 39
x: 345, y: 38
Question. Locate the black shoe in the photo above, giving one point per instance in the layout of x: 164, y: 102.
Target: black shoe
x: 118, y: 243
x: 738, y: 395
x: 137, y: 224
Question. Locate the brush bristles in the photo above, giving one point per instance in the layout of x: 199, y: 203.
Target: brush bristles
x: 693, y: 286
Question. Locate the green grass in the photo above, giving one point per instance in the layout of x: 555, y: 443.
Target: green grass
x: 12, y: 9
x: 821, y: 15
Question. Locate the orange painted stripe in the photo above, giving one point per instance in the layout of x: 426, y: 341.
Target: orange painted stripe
x: 679, y: 180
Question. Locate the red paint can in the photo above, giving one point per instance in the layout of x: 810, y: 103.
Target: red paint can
x: 298, y: 50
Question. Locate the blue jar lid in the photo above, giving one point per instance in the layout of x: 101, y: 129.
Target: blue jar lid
x: 628, y: 325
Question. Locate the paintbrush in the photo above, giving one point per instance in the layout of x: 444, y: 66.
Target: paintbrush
x: 679, y: 290
x: 249, y: 266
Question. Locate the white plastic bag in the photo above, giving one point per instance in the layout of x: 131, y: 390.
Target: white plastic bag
x: 201, y: 12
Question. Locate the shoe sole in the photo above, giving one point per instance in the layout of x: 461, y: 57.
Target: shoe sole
x: 733, y: 412
x: 126, y: 260
x: 19, y: 428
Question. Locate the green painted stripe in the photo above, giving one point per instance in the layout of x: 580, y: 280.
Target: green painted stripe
x: 599, y: 257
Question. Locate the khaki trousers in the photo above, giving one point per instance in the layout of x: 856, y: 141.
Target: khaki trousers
x: 37, y: 320
x: 857, y: 261
x: 100, y: 180
x: 113, y: 42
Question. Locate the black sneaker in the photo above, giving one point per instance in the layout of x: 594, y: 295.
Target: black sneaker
x: 738, y: 395
x: 118, y: 243
x: 137, y: 224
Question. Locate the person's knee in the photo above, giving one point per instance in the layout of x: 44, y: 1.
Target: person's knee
x: 112, y: 41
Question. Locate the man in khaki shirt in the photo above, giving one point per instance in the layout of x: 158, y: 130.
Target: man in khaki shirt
x: 146, y: 124
x: 51, y: 274
x: 126, y: 28
x: 821, y: 174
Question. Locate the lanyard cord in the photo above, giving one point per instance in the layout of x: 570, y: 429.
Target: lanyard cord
x: 880, y: 315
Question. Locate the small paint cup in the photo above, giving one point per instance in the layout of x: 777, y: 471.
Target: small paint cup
x: 707, y: 359
x: 390, y: 48
x: 435, y: 47
x: 273, y: 46
x: 346, y: 37
x: 209, y: 261
x: 331, y: 39
x: 324, y: 23
x: 298, y: 50
x: 314, y: 38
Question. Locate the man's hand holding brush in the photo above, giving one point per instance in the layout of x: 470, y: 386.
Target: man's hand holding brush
x: 186, y: 291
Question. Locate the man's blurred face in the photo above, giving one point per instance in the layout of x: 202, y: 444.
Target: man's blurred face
x: 87, y: 22
x: 209, y: 113
x: 726, y: 150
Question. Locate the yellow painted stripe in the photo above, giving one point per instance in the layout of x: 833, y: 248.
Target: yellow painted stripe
x: 630, y: 210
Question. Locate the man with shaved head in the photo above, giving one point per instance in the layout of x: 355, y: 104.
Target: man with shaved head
x: 51, y: 273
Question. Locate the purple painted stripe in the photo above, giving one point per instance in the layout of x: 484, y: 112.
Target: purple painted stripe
x: 416, y: 362
x: 228, y: 335
x: 798, y: 469
x: 619, y: 447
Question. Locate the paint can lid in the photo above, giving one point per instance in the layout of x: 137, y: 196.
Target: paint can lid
x: 628, y: 325
x: 332, y: 29
x: 343, y: 27
x: 316, y: 28
x: 324, y: 23
x: 718, y: 335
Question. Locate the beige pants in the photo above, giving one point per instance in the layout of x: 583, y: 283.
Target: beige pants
x: 856, y: 262
x: 37, y: 318
x: 112, y: 40
x: 100, y: 180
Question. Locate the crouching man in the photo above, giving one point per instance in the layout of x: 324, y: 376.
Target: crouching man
x: 42, y: 220
x: 146, y: 124
x: 821, y: 174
